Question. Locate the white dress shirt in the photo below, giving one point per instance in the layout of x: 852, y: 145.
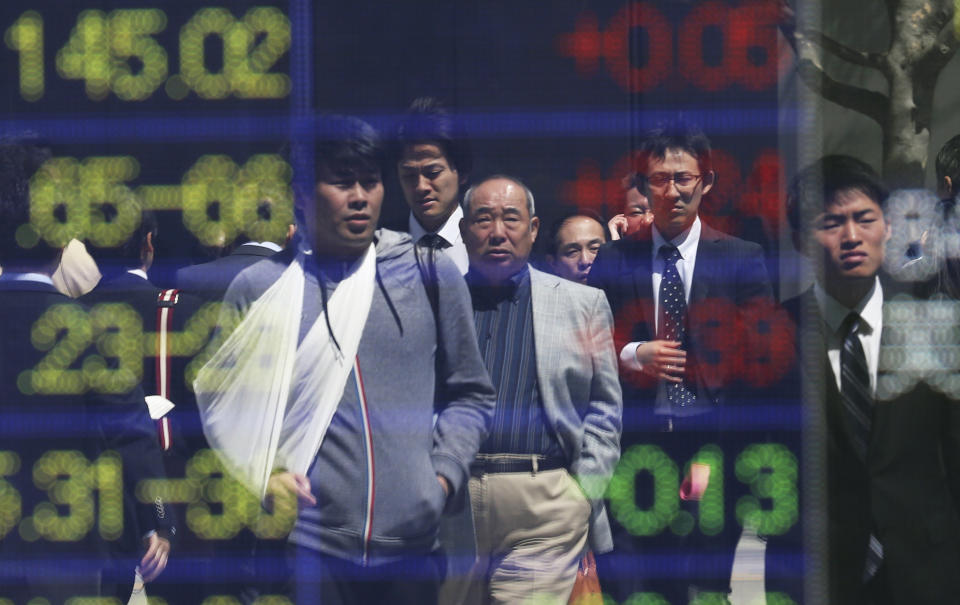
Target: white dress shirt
x: 450, y: 231
x: 268, y: 245
x: 40, y: 278
x: 871, y: 326
x: 687, y: 243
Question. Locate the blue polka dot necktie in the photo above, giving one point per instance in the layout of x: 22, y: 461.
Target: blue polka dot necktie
x: 672, y: 319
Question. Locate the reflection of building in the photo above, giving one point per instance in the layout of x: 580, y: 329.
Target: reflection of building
x: 923, y: 345
x: 915, y: 250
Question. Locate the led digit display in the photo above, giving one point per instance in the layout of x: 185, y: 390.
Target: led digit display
x: 26, y: 37
x: 622, y: 490
x: 118, y: 331
x: 769, y: 469
x: 65, y: 477
x: 68, y: 199
x: 183, y: 108
x: 218, y: 506
x: 10, y: 501
x: 130, y: 52
x: 65, y: 332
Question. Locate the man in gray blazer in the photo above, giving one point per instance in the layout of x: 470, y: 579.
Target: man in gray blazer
x: 537, y: 485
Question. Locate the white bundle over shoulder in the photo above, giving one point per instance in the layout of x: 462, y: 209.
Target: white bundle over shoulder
x: 266, y: 403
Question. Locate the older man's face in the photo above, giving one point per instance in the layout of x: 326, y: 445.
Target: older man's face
x: 578, y: 241
x: 498, y: 230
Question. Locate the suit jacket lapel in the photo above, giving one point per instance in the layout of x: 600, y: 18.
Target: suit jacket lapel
x: 879, y: 418
x: 543, y: 301
x: 642, y: 277
x: 833, y: 400
x: 706, y: 250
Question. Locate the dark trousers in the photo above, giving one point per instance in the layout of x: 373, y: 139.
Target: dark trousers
x: 326, y: 580
x: 684, y: 555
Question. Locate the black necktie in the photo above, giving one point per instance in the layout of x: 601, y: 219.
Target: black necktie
x: 432, y: 240
x: 855, y: 385
x: 858, y: 408
x: 672, y: 318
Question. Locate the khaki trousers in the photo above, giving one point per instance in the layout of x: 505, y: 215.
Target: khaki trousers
x: 531, y: 530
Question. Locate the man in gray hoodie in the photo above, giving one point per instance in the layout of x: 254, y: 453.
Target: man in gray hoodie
x: 390, y: 461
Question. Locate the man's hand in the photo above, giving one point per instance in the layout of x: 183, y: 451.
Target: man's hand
x: 445, y: 485
x: 622, y: 226
x: 663, y: 359
x: 155, y: 560
x: 285, y: 486
x: 618, y: 226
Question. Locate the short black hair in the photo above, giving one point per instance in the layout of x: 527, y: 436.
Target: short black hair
x: 428, y: 121
x: 675, y: 135
x: 557, y: 225
x: 21, y: 156
x: 948, y: 163
x: 348, y: 146
x: 814, y: 187
x: 127, y: 254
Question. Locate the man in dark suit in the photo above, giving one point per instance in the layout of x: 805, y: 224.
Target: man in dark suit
x: 65, y: 419
x: 675, y: 287
x: 209, y: 280
x: 892, y: 438
x: 125, y: 280
x: 166, y: 313
x: 433, y: 164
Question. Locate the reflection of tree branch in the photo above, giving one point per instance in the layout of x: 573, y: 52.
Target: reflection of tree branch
x: 943, y: 48
x: 869, y: 103
x: 844, y: 52
x: 928, y: 69
x: 810, y: 69
x: 891, y: 6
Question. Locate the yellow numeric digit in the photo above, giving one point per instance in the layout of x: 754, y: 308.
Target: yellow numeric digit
x: 130, y: 32
x: 10, y: 504
x: 210, y: 181
x: 26, y: 37
x: 249, y: 76
x: 119, y: 330
x: 86, y: 55
x: 63, y: 474
x: 193, y: 68
x: 65, y: 331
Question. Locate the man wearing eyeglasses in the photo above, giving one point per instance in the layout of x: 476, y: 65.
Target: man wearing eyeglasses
x: 675, y: 287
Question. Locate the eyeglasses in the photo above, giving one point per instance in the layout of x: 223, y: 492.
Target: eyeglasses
x: 683, y: 180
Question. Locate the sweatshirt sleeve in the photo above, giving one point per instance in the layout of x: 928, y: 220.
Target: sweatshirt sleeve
x: 466, y: 397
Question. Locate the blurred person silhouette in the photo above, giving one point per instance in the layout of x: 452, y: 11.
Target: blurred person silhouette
x: 63, y: 410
